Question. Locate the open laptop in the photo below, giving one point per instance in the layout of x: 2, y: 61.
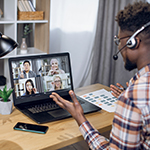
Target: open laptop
x: 48, y: 73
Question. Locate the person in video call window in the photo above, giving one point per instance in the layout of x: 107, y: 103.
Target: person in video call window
x: 54, y: 68
x: 29, y: 86
x: 57, y: 83
x: 131, y: 124
x: 26, y: 73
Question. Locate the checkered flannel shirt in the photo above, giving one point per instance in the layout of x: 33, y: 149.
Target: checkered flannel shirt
x: 131, y: 124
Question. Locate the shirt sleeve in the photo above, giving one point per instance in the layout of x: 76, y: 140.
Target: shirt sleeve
x: 93, y: 137
x: 125, y: 132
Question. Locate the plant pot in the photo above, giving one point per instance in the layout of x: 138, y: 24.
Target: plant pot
x: 6, y: 107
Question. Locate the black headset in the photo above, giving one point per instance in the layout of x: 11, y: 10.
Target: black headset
x: 132, y: 41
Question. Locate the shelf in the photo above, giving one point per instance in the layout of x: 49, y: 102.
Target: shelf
x: 32, y: 21
x: 31, y: 51
x: 11, y: 26
x: 6, y: 21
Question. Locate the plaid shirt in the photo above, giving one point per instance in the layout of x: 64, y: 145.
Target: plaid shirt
x: 131, y: 124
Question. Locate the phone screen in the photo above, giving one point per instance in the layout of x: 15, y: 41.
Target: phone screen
x: 31, y: 127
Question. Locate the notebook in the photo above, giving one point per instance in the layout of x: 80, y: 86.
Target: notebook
x: 34, y: 78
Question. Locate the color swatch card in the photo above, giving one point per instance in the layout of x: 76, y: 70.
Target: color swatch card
x: 102, y: 99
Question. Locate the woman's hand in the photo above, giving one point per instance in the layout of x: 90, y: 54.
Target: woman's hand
x: 116, y: 91
x: 34, y: 90
x: 74, y: 108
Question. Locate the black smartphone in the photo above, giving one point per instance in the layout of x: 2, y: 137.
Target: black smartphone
x: 31, y: 127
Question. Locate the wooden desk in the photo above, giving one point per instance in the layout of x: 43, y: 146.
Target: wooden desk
x: 60, y: 133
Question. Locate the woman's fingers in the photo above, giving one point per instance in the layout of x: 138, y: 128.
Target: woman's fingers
x: 34, y: 90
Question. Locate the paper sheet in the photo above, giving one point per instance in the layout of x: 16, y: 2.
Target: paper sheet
x: 102, y: 99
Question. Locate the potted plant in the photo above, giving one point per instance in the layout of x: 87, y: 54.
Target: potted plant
x: 26, y: 31
x: 5, y: 102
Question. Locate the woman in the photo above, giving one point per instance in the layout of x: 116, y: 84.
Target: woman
x: 57, y: 83
x: 29, y: 88
x: 54, y: 69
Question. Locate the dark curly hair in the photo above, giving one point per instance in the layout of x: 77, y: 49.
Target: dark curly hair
x: 134, y: 16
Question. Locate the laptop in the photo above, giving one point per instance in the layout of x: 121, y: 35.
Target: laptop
x: 34, y: 78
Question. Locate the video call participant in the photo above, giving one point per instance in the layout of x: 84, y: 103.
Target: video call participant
x: 29, y: 88
x: 131, y: 124
x: 57, y: 83
x: 27, y: 73
x: 54, y: 69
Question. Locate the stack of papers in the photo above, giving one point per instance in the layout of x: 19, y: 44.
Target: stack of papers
x: 102, y: 99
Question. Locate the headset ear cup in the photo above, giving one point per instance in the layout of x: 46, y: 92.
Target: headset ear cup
x: 132, y: 43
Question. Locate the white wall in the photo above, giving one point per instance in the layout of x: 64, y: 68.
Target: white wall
x: 72, y: 29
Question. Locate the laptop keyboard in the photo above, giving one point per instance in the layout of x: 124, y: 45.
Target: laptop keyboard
x: 81, y: 101
x: 47, y: 106
x: 42, y: 107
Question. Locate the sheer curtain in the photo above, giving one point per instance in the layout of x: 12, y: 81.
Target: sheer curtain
x: 72, y: 29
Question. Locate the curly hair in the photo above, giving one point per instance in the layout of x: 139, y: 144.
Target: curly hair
x: 133, y: 17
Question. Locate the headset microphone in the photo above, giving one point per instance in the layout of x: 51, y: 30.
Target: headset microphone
x: 115, y: 57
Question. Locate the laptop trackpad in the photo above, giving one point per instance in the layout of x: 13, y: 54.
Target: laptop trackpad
x: 59, y: 113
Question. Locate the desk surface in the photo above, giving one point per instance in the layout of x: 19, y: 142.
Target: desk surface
x: 61, y: 133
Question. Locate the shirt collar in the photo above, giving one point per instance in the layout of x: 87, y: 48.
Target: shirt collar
x: 140, y: 73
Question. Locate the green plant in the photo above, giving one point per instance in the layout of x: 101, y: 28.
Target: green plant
x: 26, y: 31
x: 5, y: 94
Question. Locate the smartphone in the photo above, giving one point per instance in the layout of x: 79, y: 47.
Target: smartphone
x: 31, y: 127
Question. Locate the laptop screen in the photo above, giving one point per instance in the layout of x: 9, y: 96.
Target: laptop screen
x: 36, y: 77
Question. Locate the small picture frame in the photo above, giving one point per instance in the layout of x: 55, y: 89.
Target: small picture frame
x: 1, y: 13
